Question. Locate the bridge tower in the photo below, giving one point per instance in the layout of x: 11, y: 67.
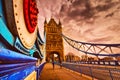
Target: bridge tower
x: 54, y: 41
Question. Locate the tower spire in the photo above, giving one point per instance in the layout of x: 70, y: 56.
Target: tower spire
x: 45, y: 22
x: 59, y: 23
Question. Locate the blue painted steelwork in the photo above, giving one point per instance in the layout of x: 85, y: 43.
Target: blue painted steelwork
x: 8, y: 37
x: 39, y: 38
x: 15, y: 65
x: 29, y: 52
x: 37, y: 43
x: 2, y: 45
x: 19, y: 67
x: 94, y: 44
x: 39, y: 69
x: 4, y: 31
x: 17, y: 71
x: 20, y: 47
x: 40, y: 54
x: 10, y: 56
x: 93, y: 49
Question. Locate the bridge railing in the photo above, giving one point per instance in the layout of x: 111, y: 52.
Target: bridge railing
x: 39, y: 69
x: 95, y: 72
x: 16, y: 66
x: 109, y: 63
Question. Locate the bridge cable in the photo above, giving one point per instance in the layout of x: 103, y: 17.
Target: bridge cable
x: 93, y: 48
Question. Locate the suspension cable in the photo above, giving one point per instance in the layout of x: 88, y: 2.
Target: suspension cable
x: 93, y: 48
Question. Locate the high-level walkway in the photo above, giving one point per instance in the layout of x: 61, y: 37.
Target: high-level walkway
x: 48, y: 73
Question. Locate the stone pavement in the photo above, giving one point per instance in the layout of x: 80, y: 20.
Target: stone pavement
x: 48, y: 73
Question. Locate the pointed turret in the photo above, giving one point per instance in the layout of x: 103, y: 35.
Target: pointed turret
x: 45, y: 22
x: 52, y: 21
x: 59, y: 23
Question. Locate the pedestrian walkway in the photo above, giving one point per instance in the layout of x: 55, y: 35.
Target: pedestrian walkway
x: 48, y: 73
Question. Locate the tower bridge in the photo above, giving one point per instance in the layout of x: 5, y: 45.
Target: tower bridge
x: 54, y: 42
x: 24, y: 55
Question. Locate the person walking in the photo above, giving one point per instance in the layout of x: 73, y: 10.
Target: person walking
x: 53, y: 64
x: 60, y: 64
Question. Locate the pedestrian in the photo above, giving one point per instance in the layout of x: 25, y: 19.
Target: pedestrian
x: 53, y: 64
x: 60, y: 64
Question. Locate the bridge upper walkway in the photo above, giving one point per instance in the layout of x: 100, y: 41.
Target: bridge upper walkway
x: 48, y: 73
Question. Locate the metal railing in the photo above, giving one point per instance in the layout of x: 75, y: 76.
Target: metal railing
x: 39, y: 69
x: 109, y: 63
x: 16, y: 66
x: 101, y: 73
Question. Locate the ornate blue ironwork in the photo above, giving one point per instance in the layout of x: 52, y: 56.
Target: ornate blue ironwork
x: 39, y: 38
x: 4, y: 31
x: 16, y: 65
x: 20, y: 47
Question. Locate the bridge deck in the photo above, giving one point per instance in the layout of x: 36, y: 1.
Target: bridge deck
x: 59, y: 74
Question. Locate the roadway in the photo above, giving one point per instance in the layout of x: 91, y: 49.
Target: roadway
x: 48, y: 73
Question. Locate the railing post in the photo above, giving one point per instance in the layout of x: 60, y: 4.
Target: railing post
x: 116, y: 63
x: 111, y: 75
x: 80, y: 70
x: 39, y: 69
x: 98, y: 62
x: 37, y: 72
x: 91, y: 73
x: 109, y: 63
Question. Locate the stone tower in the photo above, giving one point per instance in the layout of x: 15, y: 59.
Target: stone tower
x: 54, y: 41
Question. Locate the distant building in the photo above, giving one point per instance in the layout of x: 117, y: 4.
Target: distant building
x: 107, y: 59
x: 71, y: 57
